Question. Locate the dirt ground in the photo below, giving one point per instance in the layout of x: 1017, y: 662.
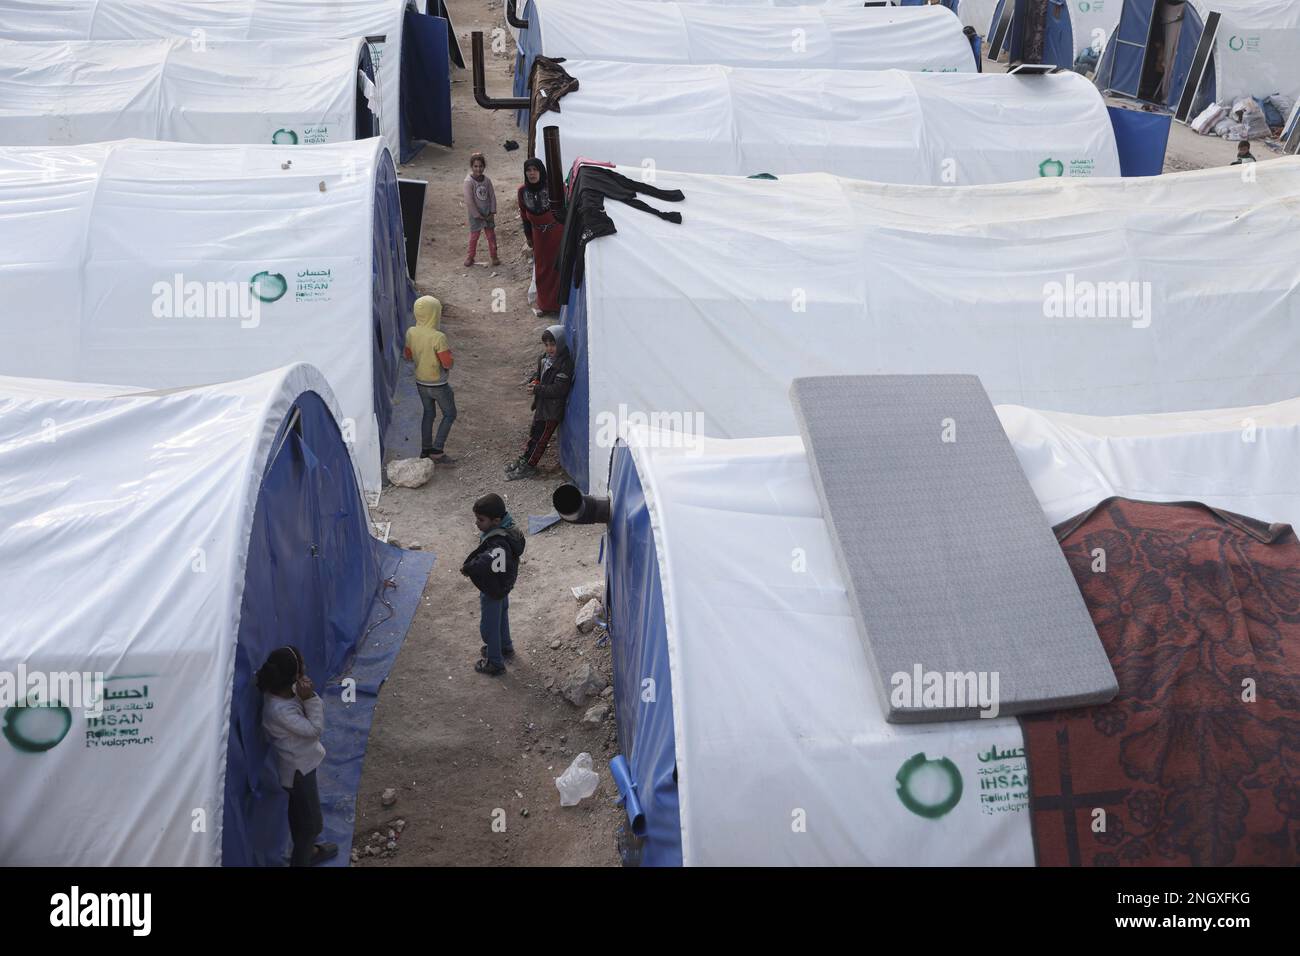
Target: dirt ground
x: 455, y: 745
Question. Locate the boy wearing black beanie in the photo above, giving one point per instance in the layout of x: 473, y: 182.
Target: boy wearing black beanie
x: 493, y: 567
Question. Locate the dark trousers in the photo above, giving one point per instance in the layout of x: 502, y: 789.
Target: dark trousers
x: 539, y: 436
x: 305, y: 820
x: 434, y: 397
x: 494, y: 626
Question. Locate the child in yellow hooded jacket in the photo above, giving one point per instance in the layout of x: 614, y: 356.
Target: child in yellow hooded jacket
x: 428, y: 348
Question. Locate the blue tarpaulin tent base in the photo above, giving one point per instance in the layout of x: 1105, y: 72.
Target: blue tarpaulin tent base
x: 1141, y: 139
x: 314, y: 579
x: 347, y: 725
x: 639, y: 648
x: 574, y: 448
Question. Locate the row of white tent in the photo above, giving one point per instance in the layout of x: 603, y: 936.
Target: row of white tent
x: 1251, y: 48
x: 221, y: 26
x: 178, y: 513
x: 888, y: 126
x: 227, y: 91
x: 1136, y: 326
x: 164, y: 265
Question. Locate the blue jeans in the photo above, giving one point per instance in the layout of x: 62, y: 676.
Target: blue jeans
x: 494, y: 626
x: 444, y: 398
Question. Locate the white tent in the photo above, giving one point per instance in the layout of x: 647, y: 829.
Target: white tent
x: 1097, y: 296
x: 872, y: 38
x: 978, y: 14
x: 132, y: 531
x: 203, y: 21
x: 234, y: 91
x: 1256, y: 47
x: 1253, y: 51
x: 763, y: 697
x: 164, y: 264
x: 520, y: 4
x: 888, y: 126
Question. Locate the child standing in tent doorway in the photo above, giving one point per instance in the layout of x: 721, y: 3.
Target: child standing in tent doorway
x: 550, y: 390
x: 543, y: 233
x: 493, y: 567
x: 481, y: 208
x: 427, y: 347
x: 293, y: 717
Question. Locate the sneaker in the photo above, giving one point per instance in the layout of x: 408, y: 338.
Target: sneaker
x: 324, y: 851
x: 496, y: 261
x: 440, y: 458
x: 469, y: 261
x: 523, y: 471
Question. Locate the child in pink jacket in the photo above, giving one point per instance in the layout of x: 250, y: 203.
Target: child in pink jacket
x: 481, y: 208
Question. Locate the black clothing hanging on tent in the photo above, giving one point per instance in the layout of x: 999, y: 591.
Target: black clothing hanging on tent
x: 586, y: 218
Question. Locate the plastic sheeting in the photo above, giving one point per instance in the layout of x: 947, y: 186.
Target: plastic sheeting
x: 1095, y: 296
x: 889, y: 126
x: 230, y: 91
x: 379, y: 21
x: 208, y: 506
x: 774, y: 707
x: 93, y: 294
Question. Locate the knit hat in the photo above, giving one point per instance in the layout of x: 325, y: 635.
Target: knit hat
x: 490, y: 506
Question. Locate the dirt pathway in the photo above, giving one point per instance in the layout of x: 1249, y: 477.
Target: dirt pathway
x: 457, y: 746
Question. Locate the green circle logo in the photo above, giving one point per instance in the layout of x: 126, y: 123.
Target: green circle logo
x: 34, y: 730
x: 1084, y: 6
x: 929, y: 788
x: 1051, y: 167
x: 269, y: 286
x: 285, y: 137
x: 1235, y: 43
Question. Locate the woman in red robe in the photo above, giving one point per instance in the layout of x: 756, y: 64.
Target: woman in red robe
x: 543, y: 233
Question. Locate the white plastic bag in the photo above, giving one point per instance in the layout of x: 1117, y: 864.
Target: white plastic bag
x: 1247, y: 112
x: 578, y: 782
x: 1204, y: 123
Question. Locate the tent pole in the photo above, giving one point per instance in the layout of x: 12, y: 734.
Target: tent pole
x: 480, y: 82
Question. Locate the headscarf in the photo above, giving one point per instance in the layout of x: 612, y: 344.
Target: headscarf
x: 537, y: 196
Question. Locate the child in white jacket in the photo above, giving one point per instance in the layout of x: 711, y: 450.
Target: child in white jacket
x: 293, y: 717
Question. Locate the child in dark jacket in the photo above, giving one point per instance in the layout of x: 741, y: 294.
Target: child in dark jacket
x: 493, y: 567
x: 550, y: 388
